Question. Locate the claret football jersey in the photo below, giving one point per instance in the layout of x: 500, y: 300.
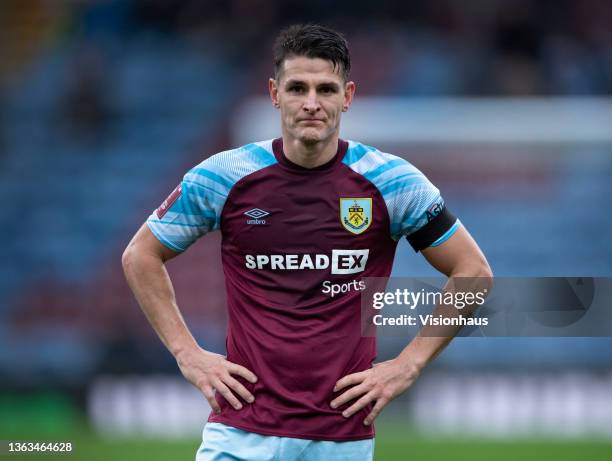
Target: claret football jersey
x: 296, y: 244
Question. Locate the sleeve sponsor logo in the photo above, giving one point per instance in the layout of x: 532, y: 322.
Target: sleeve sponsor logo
x: 341, y: 261
x: 167, y: 204
x: 434, y: 210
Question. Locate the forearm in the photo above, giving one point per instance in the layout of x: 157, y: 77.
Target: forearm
x: 432, y: 340
x: 420, y: 352
x: 149, y: 280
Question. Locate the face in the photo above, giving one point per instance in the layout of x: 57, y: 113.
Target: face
x: 311, y: 96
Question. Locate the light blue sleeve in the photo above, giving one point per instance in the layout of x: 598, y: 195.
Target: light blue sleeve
x: 194, y: 208
x: 411, y: 199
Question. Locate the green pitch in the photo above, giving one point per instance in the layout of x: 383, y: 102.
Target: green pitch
x: 55, y: 419
x: 391, y: 444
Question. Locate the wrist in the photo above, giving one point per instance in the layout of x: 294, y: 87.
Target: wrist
x: 410, y: 366
x: 183, y: 348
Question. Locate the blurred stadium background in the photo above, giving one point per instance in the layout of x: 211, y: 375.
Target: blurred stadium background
x: 104, y: 104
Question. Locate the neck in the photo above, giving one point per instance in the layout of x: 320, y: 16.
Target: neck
x: 310, y: 155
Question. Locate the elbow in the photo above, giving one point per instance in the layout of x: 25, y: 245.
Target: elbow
x: 479, y: 272
x: 473, y: 269
x: 127, y: 258
x: 484, y: 270
x: 485, y: 273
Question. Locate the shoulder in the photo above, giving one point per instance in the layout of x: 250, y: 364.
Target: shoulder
x: 381, y: 167
x: 228, y: 167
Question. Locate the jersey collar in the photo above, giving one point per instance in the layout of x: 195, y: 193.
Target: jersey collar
x: 277, y: 147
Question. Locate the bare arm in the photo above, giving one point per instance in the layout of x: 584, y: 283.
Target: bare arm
x: 459, y: 256
x: 143, y: 264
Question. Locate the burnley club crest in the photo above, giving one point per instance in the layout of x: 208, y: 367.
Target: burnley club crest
x: 356, y: 214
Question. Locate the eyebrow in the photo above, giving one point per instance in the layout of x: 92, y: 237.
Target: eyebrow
x: 289, y: 83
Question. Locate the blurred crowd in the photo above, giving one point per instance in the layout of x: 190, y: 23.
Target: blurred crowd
x: 101, y: 102
x: 443, y: 47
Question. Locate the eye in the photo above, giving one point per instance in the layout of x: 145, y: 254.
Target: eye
x: 327, y: 90
x: 295, y: 89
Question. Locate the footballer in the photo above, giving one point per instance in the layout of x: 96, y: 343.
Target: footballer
x: 304, y: 218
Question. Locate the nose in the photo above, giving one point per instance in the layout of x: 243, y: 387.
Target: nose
x: 311, y: 104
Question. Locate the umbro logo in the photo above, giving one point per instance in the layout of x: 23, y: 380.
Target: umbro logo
x: 256, y: 214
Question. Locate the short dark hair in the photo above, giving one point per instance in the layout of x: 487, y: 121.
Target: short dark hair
x: 312, y: 41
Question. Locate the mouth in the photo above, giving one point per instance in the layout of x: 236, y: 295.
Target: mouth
x: 310, y: 120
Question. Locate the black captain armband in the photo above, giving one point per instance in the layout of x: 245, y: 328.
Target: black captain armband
x: 438, y: 224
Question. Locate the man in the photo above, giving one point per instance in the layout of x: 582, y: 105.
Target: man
x: 299, y: 215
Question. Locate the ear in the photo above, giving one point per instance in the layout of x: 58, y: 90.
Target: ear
x: 273, y: 89
x: 349, y: 92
